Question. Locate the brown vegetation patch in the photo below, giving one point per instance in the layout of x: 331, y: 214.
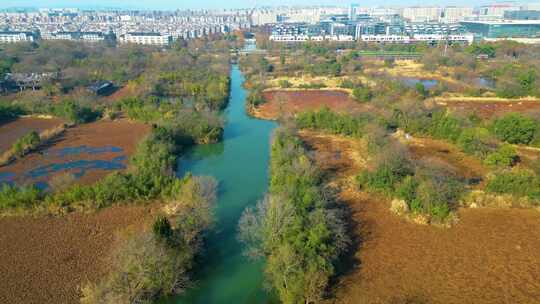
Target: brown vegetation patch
x: 123, y: 134
x: 414, y: 69
x: 488, y: 108
x: 11, y: 131
x: 490, y: 256
x: 47, y: 259
x: 338, y: 156
x: 529, y: 156
x: 123, y: 92
x: 285, y: 103
x: 431, y: 150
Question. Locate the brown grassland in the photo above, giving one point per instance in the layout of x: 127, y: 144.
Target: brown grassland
x: 47, y: 259
x: 13, y: 130
x: 288, y: 102
x: 489, y: 107
x: 490, y: 256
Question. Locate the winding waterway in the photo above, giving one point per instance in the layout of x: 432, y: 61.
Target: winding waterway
x: 240, y: 164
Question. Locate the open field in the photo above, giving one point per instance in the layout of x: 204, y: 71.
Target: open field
x: 487, y: 107
x: 286, y: 102
x: 13, y: 130
x: 490, y: 256
x: 447, y: 155
x: 46, y: 259
x: 329, y: 82
x: 88, y: 151
x: 411, y: 68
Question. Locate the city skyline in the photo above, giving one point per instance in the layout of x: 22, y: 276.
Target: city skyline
x: 213, y: 4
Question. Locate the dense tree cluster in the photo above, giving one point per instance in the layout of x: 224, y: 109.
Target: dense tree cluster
x: 157, y: 262
x: 331, y: 122
x: 297, y: 228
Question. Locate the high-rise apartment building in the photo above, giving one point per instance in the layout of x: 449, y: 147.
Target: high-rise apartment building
x: 421, y: 14
x: 497, y: 10
x: 353, y: 11
x: 455, y: 14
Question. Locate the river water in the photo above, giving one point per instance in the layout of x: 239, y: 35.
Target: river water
x: 240, y: 164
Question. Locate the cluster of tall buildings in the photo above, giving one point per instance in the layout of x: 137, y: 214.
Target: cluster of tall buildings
x: 403, y: 25
x: 286, y: 24
x: 145, y: 27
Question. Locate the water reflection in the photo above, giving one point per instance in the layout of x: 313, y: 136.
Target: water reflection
x: 412, y: 81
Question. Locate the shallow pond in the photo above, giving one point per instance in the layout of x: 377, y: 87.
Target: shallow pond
x: 68, y: 160
x: 412, y: 81
x: 484, y: 82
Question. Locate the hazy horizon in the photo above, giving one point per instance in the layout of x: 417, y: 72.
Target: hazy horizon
x: 213, y: 4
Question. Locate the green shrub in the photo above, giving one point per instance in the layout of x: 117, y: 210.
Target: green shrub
x: 421, y: 89
x: 162, y: 229
x: 362, y: 94
x: 515, y: 128
x: 505, y: 156
x: 347, y: 84
x: 473, y: 141
x: 437, y: 195
x: 433, y: 191
x: 313, y: 85
x: 73, y: 112
x: 387, y: 176
x: 407, y: 189
x: 9, y: 112
x: 255, y: 98
x: 444, y: 126
x: 517, y: 182
x: 327, y: 120
x: 12, y: 197
x: 284, y: 84
x: 26, y: 143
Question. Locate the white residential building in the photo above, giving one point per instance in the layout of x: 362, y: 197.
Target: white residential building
x: 146, y: 38
x: 92, y: 37
x: 13, y: 37
x: 422, y: 14
x: 497, y: 10
x: 303, y: 38
x: 262, y: 17
x: 386, y: 38
x: 57, y: 36
x: 465, y: 38
x: 456, y: 14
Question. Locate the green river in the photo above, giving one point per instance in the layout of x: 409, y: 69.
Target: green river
x: 240, y: 164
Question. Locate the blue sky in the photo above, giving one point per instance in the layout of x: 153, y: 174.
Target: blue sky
x: 183, y: 4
